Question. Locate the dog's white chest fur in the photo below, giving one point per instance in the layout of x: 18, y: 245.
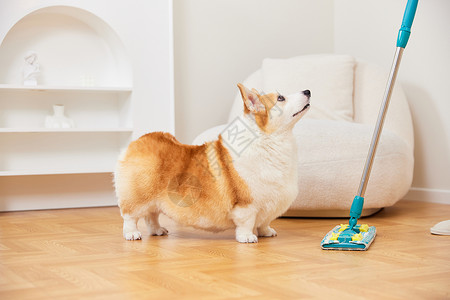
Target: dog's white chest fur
x: 269, y: 167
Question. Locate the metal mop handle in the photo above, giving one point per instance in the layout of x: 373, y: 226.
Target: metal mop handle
x: 380, y: 122
x: 402, y: 40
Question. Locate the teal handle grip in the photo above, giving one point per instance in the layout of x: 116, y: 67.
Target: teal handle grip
x: 408, y: 18
x: 355, y: 211
x: 357, y: 206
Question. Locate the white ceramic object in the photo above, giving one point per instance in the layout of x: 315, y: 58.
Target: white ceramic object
x: 441, y: 228
x: 30, y: 69
x: 58, y: 119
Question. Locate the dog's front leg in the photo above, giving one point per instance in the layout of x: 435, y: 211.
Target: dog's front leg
x: 244, y: 219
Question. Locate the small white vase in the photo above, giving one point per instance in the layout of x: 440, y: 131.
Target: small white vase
x: 58, y: 119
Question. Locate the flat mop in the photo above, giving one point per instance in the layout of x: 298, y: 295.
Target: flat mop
x: 354, y: 236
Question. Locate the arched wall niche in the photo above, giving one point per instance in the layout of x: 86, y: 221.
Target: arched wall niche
x: 74, y: 48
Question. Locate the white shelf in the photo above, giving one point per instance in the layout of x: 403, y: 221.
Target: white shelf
x: 50, y: 88
x: 54, y: 172
x: 64, y: 130
x: 107, y: 115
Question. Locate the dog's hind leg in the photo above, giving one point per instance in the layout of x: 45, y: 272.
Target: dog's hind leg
x: 130, y: 230
x: 153, y: 224
x: 266, y: 231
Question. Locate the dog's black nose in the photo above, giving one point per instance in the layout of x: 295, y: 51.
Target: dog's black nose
x: 307, y: 93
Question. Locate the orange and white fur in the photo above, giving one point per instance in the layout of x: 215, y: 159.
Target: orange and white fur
x: 244, y: 190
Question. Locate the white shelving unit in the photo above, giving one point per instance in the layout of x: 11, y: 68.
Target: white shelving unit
x: 114, y: 86
x: 54, y: 172
x: 102, y: 112
x: 67, y: 130
x: 93, y: 107
x: 103, y: 127
x: 49, y: 88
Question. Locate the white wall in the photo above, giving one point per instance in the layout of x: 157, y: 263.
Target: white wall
x: 368, y: 29
x: 218, y: 43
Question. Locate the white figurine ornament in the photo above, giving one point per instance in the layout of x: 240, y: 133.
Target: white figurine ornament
x: 30, y: 69
x: 58, y: 120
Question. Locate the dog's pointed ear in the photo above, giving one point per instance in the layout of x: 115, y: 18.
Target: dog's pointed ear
x: 251, y: 99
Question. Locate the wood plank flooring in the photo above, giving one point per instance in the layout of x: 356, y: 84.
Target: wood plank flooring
x: 80, y: 254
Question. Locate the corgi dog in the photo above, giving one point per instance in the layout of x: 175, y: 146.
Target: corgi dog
x: 243, y: 180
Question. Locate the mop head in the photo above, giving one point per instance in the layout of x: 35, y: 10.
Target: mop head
x: 343, y: 238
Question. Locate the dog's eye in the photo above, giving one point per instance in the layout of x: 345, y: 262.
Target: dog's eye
x: 281, y: 98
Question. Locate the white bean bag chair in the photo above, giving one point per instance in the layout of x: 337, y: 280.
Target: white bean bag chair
x: 334, y: 136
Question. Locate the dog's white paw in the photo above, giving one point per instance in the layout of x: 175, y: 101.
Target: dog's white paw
x: 133, y: 235
x: 159, y: 231
x: 246, y: 238
x: 267, y: 232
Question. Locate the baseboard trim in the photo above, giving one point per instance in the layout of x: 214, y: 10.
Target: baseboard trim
x: 428, y: 195
x: 327, y: 213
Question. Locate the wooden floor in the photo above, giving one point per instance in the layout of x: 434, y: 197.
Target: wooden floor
x: 80, y: 254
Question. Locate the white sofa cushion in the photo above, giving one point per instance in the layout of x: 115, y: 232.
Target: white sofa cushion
x: 332, y: 155
x: 329, y: 77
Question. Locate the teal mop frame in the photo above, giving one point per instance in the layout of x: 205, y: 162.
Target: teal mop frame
x: 359, y: 237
